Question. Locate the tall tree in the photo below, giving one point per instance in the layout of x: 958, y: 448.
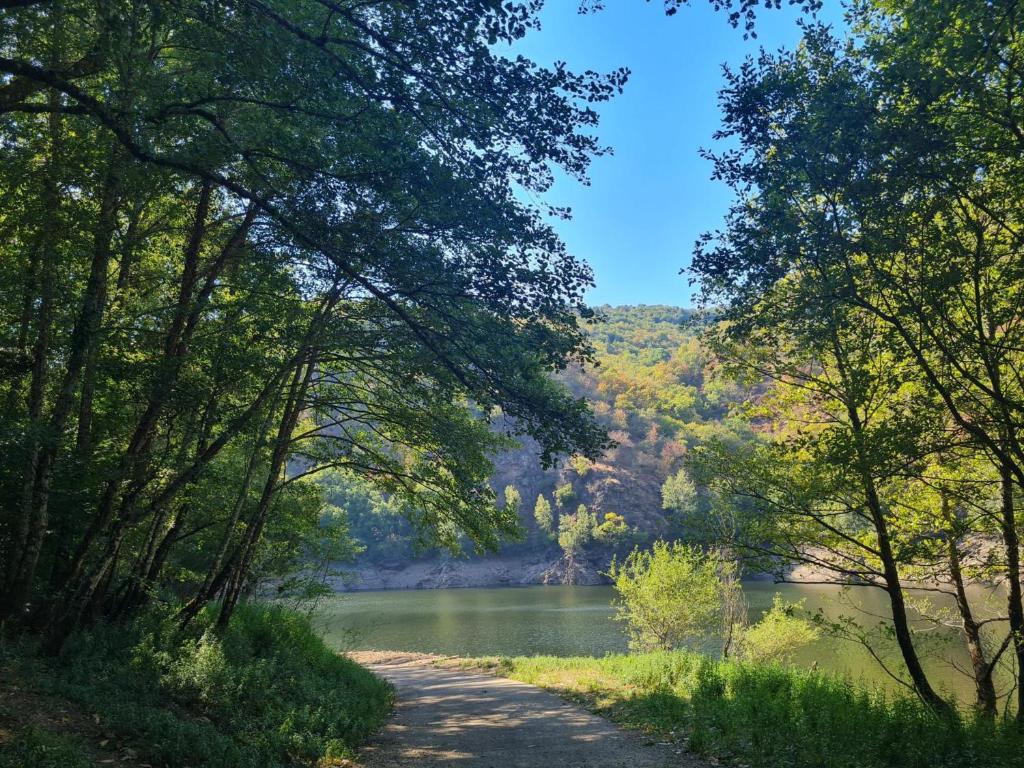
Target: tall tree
x: 286, y: 236
x: 890, y: 164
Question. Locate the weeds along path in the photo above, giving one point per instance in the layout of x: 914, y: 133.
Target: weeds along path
x: 451, y: 717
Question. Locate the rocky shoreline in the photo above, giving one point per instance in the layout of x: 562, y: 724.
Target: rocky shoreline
x: 447, y: 572
x: 451, y: 573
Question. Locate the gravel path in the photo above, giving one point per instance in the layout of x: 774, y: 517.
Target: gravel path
x: 450, y: 717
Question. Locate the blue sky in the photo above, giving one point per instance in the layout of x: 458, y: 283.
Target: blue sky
x: 647, y: 204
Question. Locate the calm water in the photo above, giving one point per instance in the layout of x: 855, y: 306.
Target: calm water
x: 566, y: 621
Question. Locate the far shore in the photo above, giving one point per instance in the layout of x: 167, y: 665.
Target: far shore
x: 447, y: 572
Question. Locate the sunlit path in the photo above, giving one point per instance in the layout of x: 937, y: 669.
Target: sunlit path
x: 449, y: 717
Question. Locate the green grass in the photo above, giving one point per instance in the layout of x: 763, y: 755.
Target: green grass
x: 33, y: 747
x: 267, y: 693
x: 768, y: 716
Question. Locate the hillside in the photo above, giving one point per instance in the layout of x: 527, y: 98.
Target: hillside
x: 655, y: 391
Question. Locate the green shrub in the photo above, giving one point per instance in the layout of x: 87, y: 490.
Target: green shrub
x: 777, y: 636
x: 669, y: 596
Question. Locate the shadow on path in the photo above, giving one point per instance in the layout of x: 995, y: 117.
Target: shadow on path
x: 449, y: 717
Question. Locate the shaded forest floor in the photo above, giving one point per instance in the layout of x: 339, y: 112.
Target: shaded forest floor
x: 42, y: 730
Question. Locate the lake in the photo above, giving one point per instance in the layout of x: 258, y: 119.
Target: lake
x: 570, y: 620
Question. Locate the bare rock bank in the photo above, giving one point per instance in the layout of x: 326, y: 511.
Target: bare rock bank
x: 448, y: 573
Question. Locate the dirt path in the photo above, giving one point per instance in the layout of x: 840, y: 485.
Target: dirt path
x: 450, y: 717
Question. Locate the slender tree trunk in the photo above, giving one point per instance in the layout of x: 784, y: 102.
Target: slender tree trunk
x: 890, y: 571
x: 984, y: 686
x: 214, y: 580
x: 188, y: 311
x: 289, y: 418
x: 130, y: 591
x: 141, y: 583
x: 124, y: 267
x: 1014, y: 604
x: 28, y: 536
x: 898, y: 607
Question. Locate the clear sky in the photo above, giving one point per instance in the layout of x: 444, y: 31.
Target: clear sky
x: 647, y: 204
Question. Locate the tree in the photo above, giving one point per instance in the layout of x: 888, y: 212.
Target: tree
x: 513, y: 500
x: 670, y: 596
x: 564, y: 496
x: 612, y: 530
x: 542, y: 514
x: 575, y: 532
x: 679, y: 494
x: 259, y: 278
x: 580, y: 464
x: 889, y: 207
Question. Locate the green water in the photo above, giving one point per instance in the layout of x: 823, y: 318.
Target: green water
x: 566, y: 621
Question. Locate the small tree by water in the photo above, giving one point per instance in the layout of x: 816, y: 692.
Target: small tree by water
x: 670, y: 596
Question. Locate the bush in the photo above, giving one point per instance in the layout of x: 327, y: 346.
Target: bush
x: 34, y: 748
x: 670, y: 596
x: 777, y: 636
x: 576, y: 531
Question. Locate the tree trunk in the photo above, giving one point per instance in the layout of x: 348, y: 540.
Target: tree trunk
x: 188, y: 310
x: 984, y: 685
x: 289, y: 418
x: 1014, y: 605
x: 214, y: 578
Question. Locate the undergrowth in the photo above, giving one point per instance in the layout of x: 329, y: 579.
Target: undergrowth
x: 265, y: 693
x: 770, y: 716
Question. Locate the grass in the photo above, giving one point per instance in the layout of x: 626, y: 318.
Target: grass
x: 33, y: 747
x: 768, y: 716
x: 266, y: 693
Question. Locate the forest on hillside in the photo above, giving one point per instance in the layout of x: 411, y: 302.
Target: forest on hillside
x: 654, y: 387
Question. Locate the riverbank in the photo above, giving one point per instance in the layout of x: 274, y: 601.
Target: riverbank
x: 265, y: 693
x: 452, y: 573
x: 448, y: 572
x: 765, y: 716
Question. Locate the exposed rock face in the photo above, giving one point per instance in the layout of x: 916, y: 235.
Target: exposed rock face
x: 447, y: 572
x: 573, y: 571
x: 623, y: 486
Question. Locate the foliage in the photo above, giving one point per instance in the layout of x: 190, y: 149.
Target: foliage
x: 580, y: 464
x: 777, y: 636
x: 543, y: 516
x: 870, y: 268
x: 679, y: 494
x: 575, y: 531
x: 564, y: 496
x: 217, y: 282
x: 513, y: 499
x: 33, y: 747
x: 266, y: 692
x: 669, y: 596
x: 640, y: 351
x: 612, y: 530
x: 769, y: 716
